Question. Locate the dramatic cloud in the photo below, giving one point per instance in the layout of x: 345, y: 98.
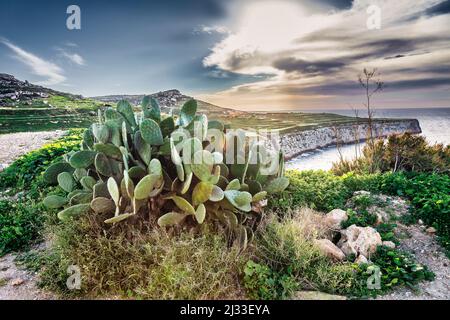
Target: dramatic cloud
x: 39, y: 66
x: 211, y: 29
x: 72, y: 57
x: 317, y: 56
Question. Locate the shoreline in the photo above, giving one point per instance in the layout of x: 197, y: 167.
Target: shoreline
x: 295, y: 144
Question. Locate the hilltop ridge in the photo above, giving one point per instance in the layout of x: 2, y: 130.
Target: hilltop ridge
x: 13, y: 90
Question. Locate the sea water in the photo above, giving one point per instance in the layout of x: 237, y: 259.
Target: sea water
x: 435, y: 124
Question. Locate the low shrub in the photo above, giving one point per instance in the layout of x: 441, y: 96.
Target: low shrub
x: 263, y: 283
x: 405, y: 152
x: 322, y: 190
x: 396, y: 268
x: 20, y: 224
x: 153, y: 265
x: 286, y: 248
x: 430, y: 196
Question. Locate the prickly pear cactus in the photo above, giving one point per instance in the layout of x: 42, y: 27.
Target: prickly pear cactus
x: 147, y: 166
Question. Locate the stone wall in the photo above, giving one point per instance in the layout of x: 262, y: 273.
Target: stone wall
x: 297, y: 143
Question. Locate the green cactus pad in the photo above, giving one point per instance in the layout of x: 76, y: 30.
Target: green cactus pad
x: 101, y: 190
x: 254, y: 186
x: 200, y: 213
x: 183, y: 204
x: 55, y: 202
x: 186, y: 183
x: 137, y: 173
x: 155, y: 167
x: 113, y: 190
x: 151, y: 108
x: 216, y: 194
x: 74, y: 192
x: 215, y: 177
x: 52, y: 172
x: 109, y: 150
x: 143, y: 148
x: 101, y: 132
x: 159, y: 188
x: 167, y: 126
x: 233, y: 185
x: 82, y: 197
x: 80, y: 173
x: 145, y: 186
x: 277, y: 185
x: 126, y: 110
x: 203, y: 164
x: 171, y: 219
x: 189, y: 148
x: 88, y: 183
x: 102, y: 205
x: 73, y: 212
x: 103, y: 165
x: 224, y: 171
x: 118, y: 218
x: 151, y: 133
x: 201, y: 193
x: 88, y: 138
x: 259, y: 196
x: 129, y: 184
x: 66, y: 181
x: 124, y: 134
x: 176, y: 159
x: 113, y: 115
x: 115, y: 136
x: 82, y: 159
x: 187, y: 113
x: 240, y: 199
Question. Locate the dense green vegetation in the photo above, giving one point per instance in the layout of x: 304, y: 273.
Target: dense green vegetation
x: 430, y: 196
x: 20, y: 224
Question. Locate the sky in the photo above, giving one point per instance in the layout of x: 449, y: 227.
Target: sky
x: 245, y: 54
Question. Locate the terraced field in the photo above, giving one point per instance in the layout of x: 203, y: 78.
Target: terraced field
x: 43, y: 119
x: 61, y: 113
x: 284, y: 122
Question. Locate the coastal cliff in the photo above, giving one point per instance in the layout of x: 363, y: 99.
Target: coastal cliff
x: 294, y: 144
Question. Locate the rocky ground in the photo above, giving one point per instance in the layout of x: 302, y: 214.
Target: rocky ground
x: 15, y: 145
x: 427, y: 251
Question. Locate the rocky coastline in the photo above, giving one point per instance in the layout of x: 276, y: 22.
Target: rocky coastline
x: 294, y: 144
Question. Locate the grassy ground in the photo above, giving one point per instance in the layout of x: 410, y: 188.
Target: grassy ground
x: 55, y: 113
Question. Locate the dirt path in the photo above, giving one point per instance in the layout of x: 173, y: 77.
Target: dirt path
x: 16, y: 283
x: 19, y: 284
x: 427, y: 252
x: 14, y: 145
